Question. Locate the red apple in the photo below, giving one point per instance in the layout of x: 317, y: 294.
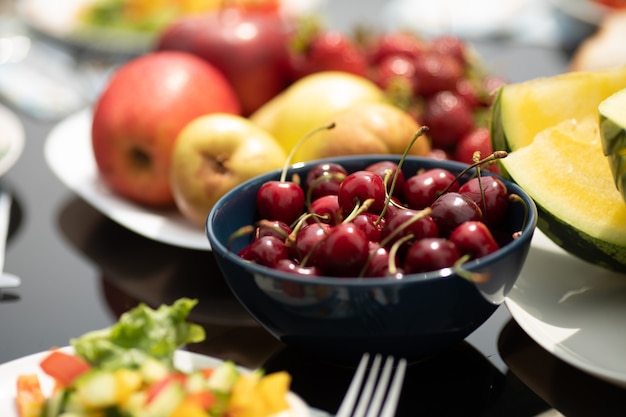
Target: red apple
x: 139, y: 114
x: 250, y: 47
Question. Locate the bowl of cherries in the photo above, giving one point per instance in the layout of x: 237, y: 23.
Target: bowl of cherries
x: 380, y: 253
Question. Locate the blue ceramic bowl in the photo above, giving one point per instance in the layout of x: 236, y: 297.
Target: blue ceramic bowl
x: 340, y: 318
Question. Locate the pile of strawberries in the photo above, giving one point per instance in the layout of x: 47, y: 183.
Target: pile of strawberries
x: 439, y: 81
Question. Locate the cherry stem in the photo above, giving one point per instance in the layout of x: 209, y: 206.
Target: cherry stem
x: 514, y: 198
x: 242, y: 231
x: 283, y: 175
x: 419, y: 215
x: 493, y: 157
x: 393, y: 269
x: 358, y: 209
x: 325, y: 177
x: 475, y: 277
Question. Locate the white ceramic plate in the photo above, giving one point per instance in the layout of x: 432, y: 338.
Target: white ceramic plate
x: 584, y: 10
x: 185, y: 361
x: 11, y: 139
x: 573, y: 309
x: 69, y: 155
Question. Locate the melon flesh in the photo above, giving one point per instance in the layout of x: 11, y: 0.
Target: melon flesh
x: 560, y: 167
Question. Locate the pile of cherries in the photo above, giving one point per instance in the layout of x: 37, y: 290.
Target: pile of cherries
x: 378, y: 222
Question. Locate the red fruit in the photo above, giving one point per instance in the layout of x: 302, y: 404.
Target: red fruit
x: 430, y: 254
x: 267, y: 251
x: 396, y: 44
x: 422, y: 189
x: 491, y: 195
x: 379, y: 262
x: 324, y: 179
x: 448, y: 118
x: 396, y: 71
x: 474, y: 238
x: 344, y: 251
x: 307, y: 241
x: 451, y: 209
x: 139, y: 114
x: 436, y: 72
x: 328, y: 210
x: 329, y: 51
x: 250, y: 47
x: 385, y: 168
x: 478, y: 139
x: 280, y: 200
x: 468, y: 91
x: 370, y: 224
x: 450, y: 46
x: 405, y: 222
x: 291, y: 266
x: 272, y: 228
x: 360, y: 186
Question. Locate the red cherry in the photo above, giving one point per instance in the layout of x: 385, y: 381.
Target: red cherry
x: 449, y: 45
x: 289, y: 265
x: 307, y: 241
x: 344, y: 251
x: 491, y: 195
x: 435, y: 72
x: 422, y: 189
x: 396, y: 44
x: 396, y: 71
x: 370, y: 224
x: 451, y: 209
x: 360, y: 186
x: 405, y: 222
x: 379, y: 262
x: 327, y: 207
x: 280, y: 200
x: 272, y: 228
x: 267, y: 250
x: 430, y: 254
x: 474, y: 238
x: 324, y: 179
x: 382, y: 169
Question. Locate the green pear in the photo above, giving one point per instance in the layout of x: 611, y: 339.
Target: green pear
x: 311, y: 102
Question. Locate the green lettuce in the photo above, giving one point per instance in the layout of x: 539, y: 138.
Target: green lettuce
x: 141, y: 333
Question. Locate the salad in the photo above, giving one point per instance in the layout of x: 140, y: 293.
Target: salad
x: 128, y: 370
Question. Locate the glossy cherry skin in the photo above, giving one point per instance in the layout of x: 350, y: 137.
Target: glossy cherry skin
x: 452, y: 209
x: 291, y: 266
x: 474, y: 238
x: 379, y: 262
x: 272, y: 228
x: 370, y: 224
x: 381, y: 169
x: 430, y: 254
x: 307, y: 241
x: 360, y: 186
x: 408, y: 221
x: 324, y: 179
x: 344, y: 251
x: 267, y: 251
x: 496, y: 198
x: 422, y: 189
x: 280, y: 200
x: 327, y: 207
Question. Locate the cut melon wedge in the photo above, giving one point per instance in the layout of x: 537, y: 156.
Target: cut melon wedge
x: 613, y: 134
x: 556, y: 155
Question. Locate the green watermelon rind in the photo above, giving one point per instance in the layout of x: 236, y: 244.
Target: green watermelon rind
x: 580, y: 244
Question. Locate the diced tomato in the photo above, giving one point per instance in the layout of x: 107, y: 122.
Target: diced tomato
x: 153, y: 391
x: 207, y: 372
x: 30, y: 398
x: 64, y: 367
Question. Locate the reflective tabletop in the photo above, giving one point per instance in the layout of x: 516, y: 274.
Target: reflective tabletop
x: 80, y: 270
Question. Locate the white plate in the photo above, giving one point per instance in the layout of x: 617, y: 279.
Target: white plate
x: 69, y: 155
x: 573, y: 309
x: 11, y: 139
x: 185, y: 361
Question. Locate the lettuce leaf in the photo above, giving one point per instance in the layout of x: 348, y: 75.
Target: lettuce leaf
x: 141, y: 333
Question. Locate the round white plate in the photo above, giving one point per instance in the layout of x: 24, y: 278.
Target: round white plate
x: 11, y: 139
x: 184, y: 360
x: 69, y: 155
x: 573, y: 309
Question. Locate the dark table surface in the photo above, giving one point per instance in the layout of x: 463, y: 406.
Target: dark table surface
x: 80, y: 270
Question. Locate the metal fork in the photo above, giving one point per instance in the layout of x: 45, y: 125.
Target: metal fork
x: 381, y: 402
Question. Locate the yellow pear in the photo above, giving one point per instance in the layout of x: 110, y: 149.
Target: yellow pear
x: 312, y: 102
x: 365, y: 128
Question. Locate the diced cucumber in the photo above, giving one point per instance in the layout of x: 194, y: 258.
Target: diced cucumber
x: 152, y: 370
x: 196, y: 382
x: 97, y: 389
x: 223, y: 377
x: 165, y: 401
x: 55, y: 403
